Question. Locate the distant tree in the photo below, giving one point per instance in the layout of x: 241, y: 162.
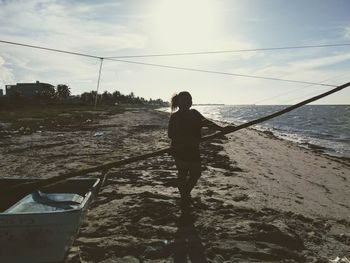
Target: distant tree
x: 63, y: 91
x: 107, y: 98
x: 116, y: 96
x: 87, y: 98
x: 138, y: 100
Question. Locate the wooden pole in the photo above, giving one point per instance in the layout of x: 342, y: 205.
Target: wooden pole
x: 98, y: 82
x: 23, y: 189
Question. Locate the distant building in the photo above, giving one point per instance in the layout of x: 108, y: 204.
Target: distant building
x: 1, y: 92
x: 28, y: 89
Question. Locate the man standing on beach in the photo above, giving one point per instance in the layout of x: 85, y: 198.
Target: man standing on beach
x: 185, y: 133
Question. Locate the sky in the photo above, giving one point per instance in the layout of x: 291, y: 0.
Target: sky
x: 137, y: 27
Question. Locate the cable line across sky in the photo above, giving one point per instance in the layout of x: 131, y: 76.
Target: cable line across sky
x: 49, y: 49
x: 232, y: 51
x: 190, y: 53
x: 300, y: 88
x: 220, y: 72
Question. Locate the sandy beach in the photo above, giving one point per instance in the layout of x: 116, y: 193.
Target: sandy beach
x: 260, y: 198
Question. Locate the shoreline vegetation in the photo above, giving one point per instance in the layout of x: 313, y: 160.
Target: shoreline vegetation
x: 260, y: 198
x: 55, y: 107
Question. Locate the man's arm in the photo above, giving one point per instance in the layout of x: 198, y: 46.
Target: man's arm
x: 204, y: 122
x: 212, y: 125
x: 171, y: 127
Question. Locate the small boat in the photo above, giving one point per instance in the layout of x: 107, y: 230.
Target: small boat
x: 42, y: 226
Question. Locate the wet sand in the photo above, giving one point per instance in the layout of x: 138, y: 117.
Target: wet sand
x: 260, y: 199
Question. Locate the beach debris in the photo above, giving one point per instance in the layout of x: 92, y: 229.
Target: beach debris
x: 340, y: 260
x: 98, y: 134
x: 126, y: 259
x: 88, y: 121
x: 60, y: 135
x: 4, y: 125
x: 218, y: 259
x: 240, y: 197
x: 5, y: 134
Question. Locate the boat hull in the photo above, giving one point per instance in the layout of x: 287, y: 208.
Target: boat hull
x: 44, y: 237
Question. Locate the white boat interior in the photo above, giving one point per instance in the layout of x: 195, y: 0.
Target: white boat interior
x: 38, y: 202
x: 63, y: 195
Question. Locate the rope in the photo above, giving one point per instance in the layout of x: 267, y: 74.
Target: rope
x: 49, y: 49
x: 230, y: 51
x: 179, y: 53
x: 290, y: 100
x: 182, y: 68
x: 294, y: 90
x: 219, y: 72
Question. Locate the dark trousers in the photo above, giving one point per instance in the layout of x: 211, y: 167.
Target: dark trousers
x: 188, y: 175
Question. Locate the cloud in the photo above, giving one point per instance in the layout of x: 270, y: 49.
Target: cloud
x: 79, y: 27
x: 347, y: 32
x: 235, y: 43
x: 303, y: 69
x: 6, y: 75
x: 112, y: 28
x: 67, y: 26
x: 321, y: 62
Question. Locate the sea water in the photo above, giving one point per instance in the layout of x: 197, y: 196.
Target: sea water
x: 326, y: 127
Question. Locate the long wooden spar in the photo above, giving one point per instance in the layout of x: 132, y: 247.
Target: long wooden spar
x: 23, y: 189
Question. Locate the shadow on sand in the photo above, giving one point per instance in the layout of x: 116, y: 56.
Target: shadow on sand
x: 187, y: 243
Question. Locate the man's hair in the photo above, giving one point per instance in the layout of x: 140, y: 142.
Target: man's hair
x: 175, y: 100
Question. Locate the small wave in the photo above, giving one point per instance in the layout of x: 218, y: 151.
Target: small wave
x: 325, y: 127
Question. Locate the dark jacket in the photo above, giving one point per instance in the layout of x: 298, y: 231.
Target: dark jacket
x: 185, y: 133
